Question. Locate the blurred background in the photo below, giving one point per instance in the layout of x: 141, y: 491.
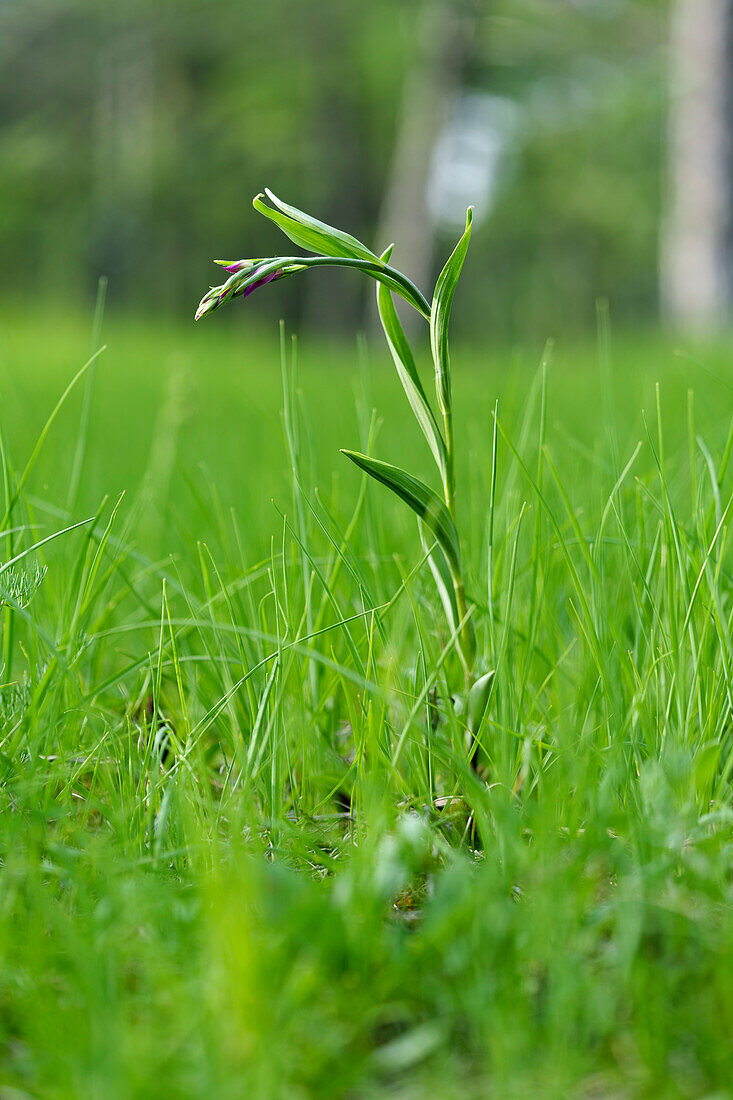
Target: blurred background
x: 591, y: 136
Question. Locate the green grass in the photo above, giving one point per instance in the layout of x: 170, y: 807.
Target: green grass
x: 226, y: 866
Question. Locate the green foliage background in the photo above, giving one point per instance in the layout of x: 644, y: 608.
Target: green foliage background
x: 133, y: 136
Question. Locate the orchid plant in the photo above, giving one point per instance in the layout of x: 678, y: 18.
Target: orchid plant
x: 436, y: 512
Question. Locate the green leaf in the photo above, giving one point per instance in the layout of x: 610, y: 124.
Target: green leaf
x: 334, y: 246
x: 408, y: 374
x: 478, y: 700
x: 426, y: 503
x: 440, y: 315
x: 311, y: 234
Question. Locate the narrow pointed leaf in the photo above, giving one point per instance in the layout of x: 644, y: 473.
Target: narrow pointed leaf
x: 311, y: 234
x: 440, y: 315
x: 422, y: 499
x: 408, y: 374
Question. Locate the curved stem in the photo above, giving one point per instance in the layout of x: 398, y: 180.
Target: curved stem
x: 419, y: 301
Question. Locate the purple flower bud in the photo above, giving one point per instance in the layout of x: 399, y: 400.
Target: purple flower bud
x: 218, y: 295
x: 261, y: 282
x: 233, y: 266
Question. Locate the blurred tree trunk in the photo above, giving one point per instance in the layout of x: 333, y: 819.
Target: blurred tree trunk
x: 445, y: 36
x: 696, y: 244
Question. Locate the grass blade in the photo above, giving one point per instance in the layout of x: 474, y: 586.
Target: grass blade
x: 442, y: 577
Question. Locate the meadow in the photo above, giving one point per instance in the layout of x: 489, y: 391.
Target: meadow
x: 243, y: 849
